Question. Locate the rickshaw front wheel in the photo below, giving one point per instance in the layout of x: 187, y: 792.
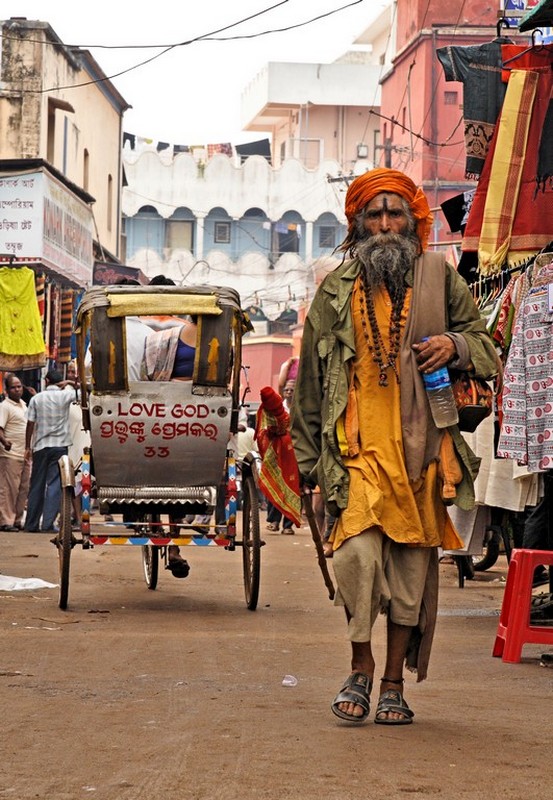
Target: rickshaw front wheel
x: 64, y: 543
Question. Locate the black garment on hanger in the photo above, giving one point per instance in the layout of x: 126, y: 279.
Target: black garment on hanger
x: 478, y: 67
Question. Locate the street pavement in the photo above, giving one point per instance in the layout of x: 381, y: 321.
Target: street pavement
x: 178, y: 692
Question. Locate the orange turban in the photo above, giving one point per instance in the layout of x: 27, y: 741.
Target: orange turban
x: 362, y: 190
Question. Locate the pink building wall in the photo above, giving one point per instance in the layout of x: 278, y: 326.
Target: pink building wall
x: 427, y: 132
x: 264, y: 357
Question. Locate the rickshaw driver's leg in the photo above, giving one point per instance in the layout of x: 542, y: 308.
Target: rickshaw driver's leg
x: 175, y: 562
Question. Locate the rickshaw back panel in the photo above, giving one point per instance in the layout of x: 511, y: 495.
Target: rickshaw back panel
x: 159, y: 435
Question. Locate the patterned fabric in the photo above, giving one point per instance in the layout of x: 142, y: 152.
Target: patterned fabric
x: 530, y: 58
x: 527, y: 428
x: 478, y: 67
x: 279, y: 477
x: 47, y: 313
x: 519, y: 217
x: 456, y: 211
x: 502, y: 333
x: 78, y: 298
x: 64, y: 351
x: 54, y: 329
x: 506, y: 171
x: 40, y: 281
x: 225, y: 148
x: 160, y: 350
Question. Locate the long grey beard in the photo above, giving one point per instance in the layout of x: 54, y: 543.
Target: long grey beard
x: 386, y: 258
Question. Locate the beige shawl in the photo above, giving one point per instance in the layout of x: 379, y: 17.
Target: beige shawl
x: 427, y: 317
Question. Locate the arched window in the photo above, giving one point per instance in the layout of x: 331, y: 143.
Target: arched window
x: 145, y: 230
x: 327, y: 234
x: 288, y: 233
x: 179, y: 230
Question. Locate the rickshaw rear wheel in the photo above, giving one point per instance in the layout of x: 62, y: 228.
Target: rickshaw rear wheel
x: 64, y: 543
x: 150, y: 553
x: 251, y: 541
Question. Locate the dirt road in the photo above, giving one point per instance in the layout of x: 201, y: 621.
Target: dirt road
x: 177, y: 693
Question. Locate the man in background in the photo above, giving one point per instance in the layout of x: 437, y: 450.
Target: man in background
x: 15, y: 469
x: 48, y: 432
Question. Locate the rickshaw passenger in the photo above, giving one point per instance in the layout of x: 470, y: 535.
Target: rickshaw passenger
x: 169, y: 354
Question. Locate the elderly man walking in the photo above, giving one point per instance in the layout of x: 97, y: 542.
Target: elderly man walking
x: 48, y: 430
x: 15, y: 469
x: 363, y: 431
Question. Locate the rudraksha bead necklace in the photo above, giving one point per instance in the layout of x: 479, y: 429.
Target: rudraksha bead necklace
x: 384, y: 358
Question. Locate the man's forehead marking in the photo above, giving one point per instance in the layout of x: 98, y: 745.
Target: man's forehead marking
x: 382, y: 200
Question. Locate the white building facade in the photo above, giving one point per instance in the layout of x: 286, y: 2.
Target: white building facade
x: 268, y: 229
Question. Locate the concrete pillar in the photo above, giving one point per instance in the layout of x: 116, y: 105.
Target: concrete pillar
x: 200, y: 219
x: 308, y: 242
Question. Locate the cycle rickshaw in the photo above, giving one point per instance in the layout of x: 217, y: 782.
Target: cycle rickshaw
x: 161, y: 447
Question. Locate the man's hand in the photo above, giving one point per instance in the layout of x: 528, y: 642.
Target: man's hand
x: 435, y: 352
x: 6, y: 444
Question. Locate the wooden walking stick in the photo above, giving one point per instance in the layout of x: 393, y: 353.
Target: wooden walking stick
x: 315, y: 533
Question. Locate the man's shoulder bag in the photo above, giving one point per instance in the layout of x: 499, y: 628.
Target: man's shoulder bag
x: 473, y: 398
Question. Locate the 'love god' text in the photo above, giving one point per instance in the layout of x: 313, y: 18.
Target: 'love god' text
x: 161, y: 411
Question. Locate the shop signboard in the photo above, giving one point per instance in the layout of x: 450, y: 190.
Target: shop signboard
x: 42, y: 222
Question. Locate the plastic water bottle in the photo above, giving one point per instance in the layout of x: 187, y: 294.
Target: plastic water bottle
x: 440, y: 397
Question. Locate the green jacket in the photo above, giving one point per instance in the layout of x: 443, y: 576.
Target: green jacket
x: 328, y: 347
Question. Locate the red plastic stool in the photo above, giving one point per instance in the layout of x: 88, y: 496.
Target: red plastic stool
x: 514, y: 629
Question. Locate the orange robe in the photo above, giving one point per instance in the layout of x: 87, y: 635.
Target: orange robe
x: 380, y: 492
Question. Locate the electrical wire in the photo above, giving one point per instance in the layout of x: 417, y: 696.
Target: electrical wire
x: 437, y: 83
x: 204, y: 37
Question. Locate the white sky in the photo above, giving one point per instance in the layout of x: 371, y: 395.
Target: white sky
x: 191, y: 94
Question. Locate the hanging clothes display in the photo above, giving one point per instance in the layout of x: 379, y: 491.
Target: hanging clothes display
x: 506, y: 165
x: 508, y: 219
x: 76, y: 301
x: 40, y: 288
x: 520, y: 57
x: 54, y: 322
x: 500, y: 482
x: 478, y: 67
x: 527, y: 426
x: 21, y: 340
